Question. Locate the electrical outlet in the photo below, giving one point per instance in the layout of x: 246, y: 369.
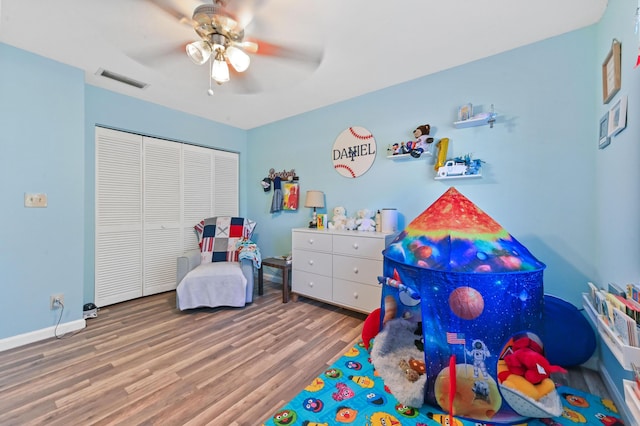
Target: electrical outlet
x: 56, y: 301
x: 35, y: 200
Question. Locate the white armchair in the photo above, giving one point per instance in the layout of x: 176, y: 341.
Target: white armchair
x: 215, y: 276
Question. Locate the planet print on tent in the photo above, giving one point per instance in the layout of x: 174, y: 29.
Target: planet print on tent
x: 477, y: 287
x: 466, y: 302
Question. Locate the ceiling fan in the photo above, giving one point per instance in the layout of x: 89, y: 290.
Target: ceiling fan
x: 220, y: 27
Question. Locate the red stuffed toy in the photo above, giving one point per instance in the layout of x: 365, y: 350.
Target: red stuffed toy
x: 371, y: 327
x: 527, y: 361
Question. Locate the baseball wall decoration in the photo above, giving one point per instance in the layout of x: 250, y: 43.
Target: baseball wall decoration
x: 354, y: 152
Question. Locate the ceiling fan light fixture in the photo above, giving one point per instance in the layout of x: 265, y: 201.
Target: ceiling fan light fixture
x: 219, y: 68
x: 199, y: 51
x: 238, y: 59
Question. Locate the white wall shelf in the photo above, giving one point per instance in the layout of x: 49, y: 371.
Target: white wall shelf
x: 632, y: 400
x: 477, y: 175
x: 478, y: 120
x: 408, y: 156
x: 623, y: 353
x: 629, y: 406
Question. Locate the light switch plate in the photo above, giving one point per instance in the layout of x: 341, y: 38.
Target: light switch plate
x: 35, y: 200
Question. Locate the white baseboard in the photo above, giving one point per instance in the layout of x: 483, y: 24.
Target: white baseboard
x: 37, y: 335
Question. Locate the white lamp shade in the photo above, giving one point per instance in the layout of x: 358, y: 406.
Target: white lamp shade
x: 220, y: 71
x: 199, y: 51
x: 314, y: 199
x: 238, y: 59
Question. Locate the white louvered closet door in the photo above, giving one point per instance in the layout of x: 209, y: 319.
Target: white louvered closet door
x: 118, y: 257
x: 162, y: 238
x: 225, y: 183
x: 149, y: 195
x: 197, y: 191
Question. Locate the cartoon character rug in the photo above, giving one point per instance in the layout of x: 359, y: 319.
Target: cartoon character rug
x: 351, y: 392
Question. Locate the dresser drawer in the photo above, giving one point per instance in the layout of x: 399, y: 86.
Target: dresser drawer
x: 312, y: 285
x: 312, y: 261
x: 358, y: 245
x: 357, y: 269
x: 311, y: 241
x: 361, y: 297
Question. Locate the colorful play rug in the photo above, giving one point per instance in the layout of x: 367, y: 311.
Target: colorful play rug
x: 350, y: 392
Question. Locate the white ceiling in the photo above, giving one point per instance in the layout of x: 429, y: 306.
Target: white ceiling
x: 365, y: 45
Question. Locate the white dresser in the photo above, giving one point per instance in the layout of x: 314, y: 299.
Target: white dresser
x: 338, y: 267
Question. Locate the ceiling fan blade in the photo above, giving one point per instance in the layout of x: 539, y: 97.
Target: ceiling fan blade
x: 151, y: 57
x: 248, y: 46
x: 243, y: 11
x: 311, y: 55
x: 173, y: 12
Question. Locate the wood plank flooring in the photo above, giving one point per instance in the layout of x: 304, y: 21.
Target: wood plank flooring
x: 145, y: 362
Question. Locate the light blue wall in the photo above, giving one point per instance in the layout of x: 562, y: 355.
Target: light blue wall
x: 108, y: 109
x: 47, y: 121
x: 41, y: 150
x: 539, y: 175
x: 617, y: 184
x: 574, y: 206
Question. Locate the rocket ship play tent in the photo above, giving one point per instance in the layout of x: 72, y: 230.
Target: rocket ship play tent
x: 475, y: 289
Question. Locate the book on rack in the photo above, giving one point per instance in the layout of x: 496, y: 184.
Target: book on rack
x: 625, y: 327
x: 614, y: 302
x: 633, y: 292
x: 602, y: 306
x: 614, y: 288
x: 631, y: 308
x: 593, y: 289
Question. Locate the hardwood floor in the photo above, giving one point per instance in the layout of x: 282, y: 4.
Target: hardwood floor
x: 145, y: 362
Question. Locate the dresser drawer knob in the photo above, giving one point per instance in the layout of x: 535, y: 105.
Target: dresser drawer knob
x: 355, y: 295
x: 355, y: 270
x: 355, y: 246
x: 310, y: 240
x: 310, y: 283
x: 310, y: 262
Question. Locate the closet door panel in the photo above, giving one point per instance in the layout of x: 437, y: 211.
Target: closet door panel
x: 197, y: 191
x: 225, y: 184
x: 118, y: 250
x: 162, y: 242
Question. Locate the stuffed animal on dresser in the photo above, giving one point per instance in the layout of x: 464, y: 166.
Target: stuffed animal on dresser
x: 365, y: 221
x: 339, y: 219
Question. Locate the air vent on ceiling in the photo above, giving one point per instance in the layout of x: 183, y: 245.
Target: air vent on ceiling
x: 121, y: 78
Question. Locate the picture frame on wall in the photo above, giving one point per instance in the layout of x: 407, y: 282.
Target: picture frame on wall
x: 617, y: 117
x: 290, y: 194
x: 465, y: 112
x: 604, y: 140
x: 611, y: 72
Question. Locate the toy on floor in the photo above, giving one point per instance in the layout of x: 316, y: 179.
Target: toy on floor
x: 528, y: 370
x: 371, y: 327
x: 413, y: 368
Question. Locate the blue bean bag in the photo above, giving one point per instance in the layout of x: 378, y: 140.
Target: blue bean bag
x: 569, y: 339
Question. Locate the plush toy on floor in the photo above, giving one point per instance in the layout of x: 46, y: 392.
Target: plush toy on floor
x: 528, y: 370
x: 365, y: 221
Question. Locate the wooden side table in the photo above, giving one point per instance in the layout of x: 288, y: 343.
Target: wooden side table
x: 278, y: 263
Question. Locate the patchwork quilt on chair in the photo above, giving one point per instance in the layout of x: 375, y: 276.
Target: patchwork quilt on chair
x: 219, y: 236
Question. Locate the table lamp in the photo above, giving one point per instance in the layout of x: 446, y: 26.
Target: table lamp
x: 314, y: 199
